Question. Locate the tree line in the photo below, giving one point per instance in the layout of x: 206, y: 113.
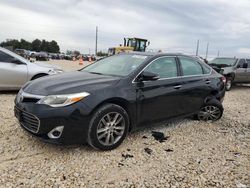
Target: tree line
x: 36, y: 45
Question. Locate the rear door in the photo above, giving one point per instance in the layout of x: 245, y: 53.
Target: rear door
x: 12, y: 75
x: 159, y: 99
x: 195, y: 84
x: 241, y: 73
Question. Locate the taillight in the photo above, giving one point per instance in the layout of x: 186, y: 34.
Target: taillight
x: 223, y: 79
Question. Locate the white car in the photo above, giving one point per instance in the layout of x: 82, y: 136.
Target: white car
x: 15, y: 71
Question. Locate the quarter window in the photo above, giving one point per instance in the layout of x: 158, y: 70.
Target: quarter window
x: 190, y: 67
x: 5, y: 57
x: 206, y: 70
x: 165, y: 67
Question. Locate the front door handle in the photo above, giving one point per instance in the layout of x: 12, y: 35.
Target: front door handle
x: 177, y: 87
x: 208, y: 81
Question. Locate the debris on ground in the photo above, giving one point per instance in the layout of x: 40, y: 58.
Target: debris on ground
x: 159, y: 136
x: 148, y: 150
x: 125, y: 156
x: 169, y: 150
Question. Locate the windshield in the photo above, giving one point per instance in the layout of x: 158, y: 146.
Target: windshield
x: 223, y: 61
x: 118, y: 65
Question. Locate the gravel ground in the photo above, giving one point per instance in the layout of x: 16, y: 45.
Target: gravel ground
x: 67, y: 65
x: 193, y: 154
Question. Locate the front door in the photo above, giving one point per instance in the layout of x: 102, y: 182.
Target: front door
x: 248, y: 70
x: 159, y: 99
x: 12, y: 75
x: 241, y: 72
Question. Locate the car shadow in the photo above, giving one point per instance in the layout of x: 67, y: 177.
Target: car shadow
x: 8, y: 92
x: 147, y: 129
x: 241, y: 87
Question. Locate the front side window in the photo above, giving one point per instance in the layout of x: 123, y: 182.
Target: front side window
x: 248, y: 62
x: 165, y: 67
x: 241, y: 63
x: 5, y: 57
x: 190, y: 67
x: 117, y: 65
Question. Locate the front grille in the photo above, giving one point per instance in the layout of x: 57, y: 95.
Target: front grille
x: 27, y: 120
x: 26, y: 99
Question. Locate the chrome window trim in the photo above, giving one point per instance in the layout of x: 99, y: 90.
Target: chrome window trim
x: 171, y: 77
x: 29, y: 95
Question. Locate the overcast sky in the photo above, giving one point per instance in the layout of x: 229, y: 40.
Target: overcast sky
x: 170, y: 25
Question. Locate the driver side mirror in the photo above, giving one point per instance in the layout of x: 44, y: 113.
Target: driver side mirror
x: 17, y: 61
x: 148, y: 76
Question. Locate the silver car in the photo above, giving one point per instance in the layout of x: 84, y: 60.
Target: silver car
x: 15, y: 71
x: 235, y: 70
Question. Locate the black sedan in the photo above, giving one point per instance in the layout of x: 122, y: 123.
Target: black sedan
x: 102, y: 102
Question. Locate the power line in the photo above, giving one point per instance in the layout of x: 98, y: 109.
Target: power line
x: 207, y: 50
x: 96, y: 37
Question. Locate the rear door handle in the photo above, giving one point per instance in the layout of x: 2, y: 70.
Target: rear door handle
x: 177, y: 87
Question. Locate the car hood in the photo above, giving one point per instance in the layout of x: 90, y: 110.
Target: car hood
x: 222, y: 69
x: 71, y: 82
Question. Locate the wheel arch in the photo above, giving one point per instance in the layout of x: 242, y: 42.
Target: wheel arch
x: 230, y: 75
x: 122, y: 103
x: 38, y: 75
x: 213, y: 95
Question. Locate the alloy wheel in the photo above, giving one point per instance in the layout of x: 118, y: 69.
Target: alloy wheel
x: 110, y: 128
x: 210, y: 112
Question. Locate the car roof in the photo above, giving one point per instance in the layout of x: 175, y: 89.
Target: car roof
x: 157, y: 54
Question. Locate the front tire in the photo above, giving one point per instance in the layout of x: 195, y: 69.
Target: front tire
x: 108, y: 127
x: 211, y: 111
x: 229, y: 84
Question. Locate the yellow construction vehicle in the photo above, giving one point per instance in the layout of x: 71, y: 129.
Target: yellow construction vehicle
x: 130, y: 44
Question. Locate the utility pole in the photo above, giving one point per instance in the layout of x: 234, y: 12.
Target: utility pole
x: 96, y: 38
x: 218, y: 54
x: 197, y: 49
x: 207, y: 50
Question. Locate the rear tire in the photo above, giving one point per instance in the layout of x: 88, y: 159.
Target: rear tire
x: 108, y: 127
x: 211, y: 111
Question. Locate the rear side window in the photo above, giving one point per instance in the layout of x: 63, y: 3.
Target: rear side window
x: 190, y: 67
x: 165, y: 67
x: 5, y: 57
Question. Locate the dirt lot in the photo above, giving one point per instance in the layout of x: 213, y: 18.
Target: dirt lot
x: 195, y: 154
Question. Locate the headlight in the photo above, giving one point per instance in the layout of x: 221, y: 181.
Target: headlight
x: 62, y: 100
x: 55, y: 71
